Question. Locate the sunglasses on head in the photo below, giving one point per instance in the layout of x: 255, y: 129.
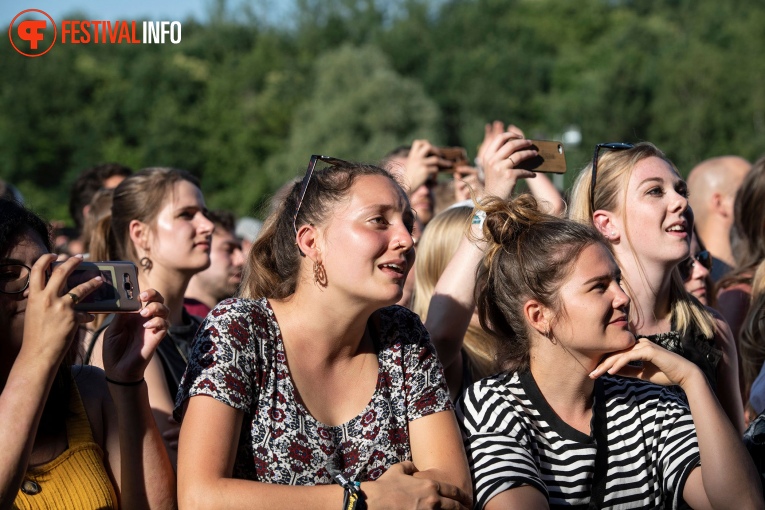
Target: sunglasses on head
x: 613, y: 146
x: 686, y: 266
x: 307, y: 179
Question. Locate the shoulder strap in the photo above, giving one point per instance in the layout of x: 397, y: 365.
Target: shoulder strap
x: 600, y: 432
x: 94, y: 338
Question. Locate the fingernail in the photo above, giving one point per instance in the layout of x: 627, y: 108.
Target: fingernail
x: 144, y: 312
x: 144, y: 295
x: 78, y: 256
x: 98, y: 278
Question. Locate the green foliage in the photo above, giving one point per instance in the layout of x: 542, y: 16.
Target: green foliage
x: 359, y: 109
x: 244, y: 100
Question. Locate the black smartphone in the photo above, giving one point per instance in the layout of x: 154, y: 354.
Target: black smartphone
x: 119, y: 292
x: 551, y: 157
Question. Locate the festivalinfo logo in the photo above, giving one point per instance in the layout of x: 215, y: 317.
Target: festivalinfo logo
x: 33, y: 33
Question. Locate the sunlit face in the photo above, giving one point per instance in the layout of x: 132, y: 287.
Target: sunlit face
x: 367, y: 246
x: 27, y: 250
x: 594, y: 319
x: 221, y: 280
x: 181, y: 237
x: 658, y: 219
x: 696, y: 283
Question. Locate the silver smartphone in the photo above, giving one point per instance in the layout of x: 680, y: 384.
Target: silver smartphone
x: 119, y: 292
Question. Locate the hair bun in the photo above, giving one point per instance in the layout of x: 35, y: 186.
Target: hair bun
x: 506, y: 220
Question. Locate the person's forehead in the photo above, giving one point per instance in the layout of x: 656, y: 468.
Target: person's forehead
x: 377, y: 190
x: 653, y: 167
x: 27, y: 248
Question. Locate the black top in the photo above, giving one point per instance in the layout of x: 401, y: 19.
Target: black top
x: 693, y: 346
x: 173, y: 350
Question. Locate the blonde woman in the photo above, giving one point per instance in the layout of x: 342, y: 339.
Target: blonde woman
x: 635, y: 197
x: 473, y: 358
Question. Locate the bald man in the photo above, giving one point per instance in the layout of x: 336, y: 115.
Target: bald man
x: 713, y: 184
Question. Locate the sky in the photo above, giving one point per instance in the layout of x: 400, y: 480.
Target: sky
x: 158, y: 10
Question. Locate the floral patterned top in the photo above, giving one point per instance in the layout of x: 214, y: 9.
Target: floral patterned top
x: 238, y: 358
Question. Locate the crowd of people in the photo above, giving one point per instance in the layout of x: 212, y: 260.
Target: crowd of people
x: 604, y: 349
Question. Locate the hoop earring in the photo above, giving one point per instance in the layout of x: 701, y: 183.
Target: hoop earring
x: 146, y: 263
x: 319, y: 274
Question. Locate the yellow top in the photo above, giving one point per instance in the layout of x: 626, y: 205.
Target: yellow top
x: 77, y: 478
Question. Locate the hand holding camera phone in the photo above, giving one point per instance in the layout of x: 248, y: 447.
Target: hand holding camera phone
x: 550, y: 157
x: 456, y: 156
x: 119, y: 292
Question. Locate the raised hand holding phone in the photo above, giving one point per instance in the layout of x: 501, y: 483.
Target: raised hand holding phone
x: 501, y: 156
x: 131, y: 339
x: 50, y: 318
x: 119, y: 292
x: 423, y: 164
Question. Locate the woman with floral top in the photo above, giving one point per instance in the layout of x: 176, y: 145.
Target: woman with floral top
x: 320, y: 388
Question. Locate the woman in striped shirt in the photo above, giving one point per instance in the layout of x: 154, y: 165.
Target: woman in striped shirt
x: 559, y: 426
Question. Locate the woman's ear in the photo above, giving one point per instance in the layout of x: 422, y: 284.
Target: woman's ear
x: 139, y: 234
x: 606, y: 224
x: 537, y: 316
x: 308, y: 241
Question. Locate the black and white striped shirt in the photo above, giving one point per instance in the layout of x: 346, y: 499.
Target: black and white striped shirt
x: 514, y: 438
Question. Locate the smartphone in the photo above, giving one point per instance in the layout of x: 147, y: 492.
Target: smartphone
x: 457, y: 155
x: 551, y: 157
x: 117, y: 294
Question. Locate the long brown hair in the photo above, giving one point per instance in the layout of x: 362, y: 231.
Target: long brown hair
x: 752, y: 335
x: 274, y: 260
x: 748, y: 231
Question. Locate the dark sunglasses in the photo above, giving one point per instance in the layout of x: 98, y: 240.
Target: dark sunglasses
x: 307, y: 178
x: 686, y: 266
x: 613, y: 146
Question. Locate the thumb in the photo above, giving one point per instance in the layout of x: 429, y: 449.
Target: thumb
x: 407, y: 467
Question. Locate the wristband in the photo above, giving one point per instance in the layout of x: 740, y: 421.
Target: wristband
x: 122, y: 383
x: 479, y: 217
x: 353, y: 499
